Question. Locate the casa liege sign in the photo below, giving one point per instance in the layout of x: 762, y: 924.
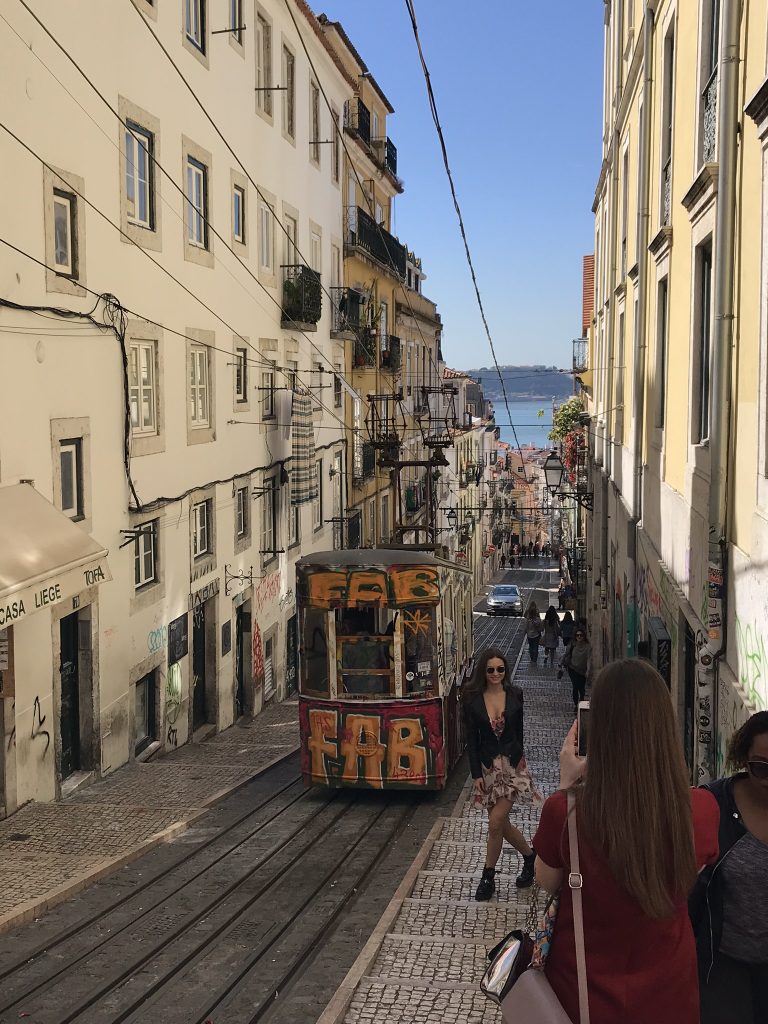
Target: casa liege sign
x: 30, y: 599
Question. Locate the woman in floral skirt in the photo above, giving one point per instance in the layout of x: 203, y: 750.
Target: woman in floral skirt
x: 493, y: 714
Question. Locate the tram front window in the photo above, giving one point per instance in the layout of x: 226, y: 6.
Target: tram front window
x: 366, y: 664
x: 314, y: 652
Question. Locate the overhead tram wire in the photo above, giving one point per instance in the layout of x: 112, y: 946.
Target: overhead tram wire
x: 296, y: 329
x: 444, y: 150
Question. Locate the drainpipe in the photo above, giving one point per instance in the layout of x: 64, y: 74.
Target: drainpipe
x: 643, y: 230
x: 722, y: 343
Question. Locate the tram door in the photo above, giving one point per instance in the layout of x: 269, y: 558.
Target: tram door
x: 70, y: 696
x: 199, y: 716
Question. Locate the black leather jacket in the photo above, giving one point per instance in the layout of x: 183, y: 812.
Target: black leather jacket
x: 482, y: 743
x: 705, y: 905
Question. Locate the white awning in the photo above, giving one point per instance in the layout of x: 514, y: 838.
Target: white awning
x: 45, y: 558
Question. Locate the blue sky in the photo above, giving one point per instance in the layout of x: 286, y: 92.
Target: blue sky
x: 518, y: 88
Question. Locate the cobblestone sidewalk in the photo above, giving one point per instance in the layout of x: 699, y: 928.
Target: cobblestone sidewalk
x: 429, y: 964
x: 48, y: 851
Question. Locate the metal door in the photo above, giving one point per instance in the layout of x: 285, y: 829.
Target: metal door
x: 199, y: 716
x: 70, y: 696
x: 269, y: 670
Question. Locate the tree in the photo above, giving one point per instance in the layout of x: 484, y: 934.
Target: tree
x: 566, y: 418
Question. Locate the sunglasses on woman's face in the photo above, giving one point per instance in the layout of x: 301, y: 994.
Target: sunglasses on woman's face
x: 494, y: 668
x: 579, y: 636
x: 758, y: 769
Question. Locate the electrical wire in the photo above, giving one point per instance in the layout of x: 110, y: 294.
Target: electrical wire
x: 457, y: 207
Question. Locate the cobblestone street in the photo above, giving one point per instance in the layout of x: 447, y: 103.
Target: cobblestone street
x: 51, y: 850
x: 426, y: 967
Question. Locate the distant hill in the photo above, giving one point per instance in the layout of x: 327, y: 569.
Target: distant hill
x: 521, y: 382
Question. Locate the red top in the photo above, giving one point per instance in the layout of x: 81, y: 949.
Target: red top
x: 639, y: 969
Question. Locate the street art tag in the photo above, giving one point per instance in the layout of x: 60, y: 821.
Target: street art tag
x: 392, y: 745
x: 365, y: 587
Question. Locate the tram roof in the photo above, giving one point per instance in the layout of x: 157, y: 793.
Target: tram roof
x: 376, y: 556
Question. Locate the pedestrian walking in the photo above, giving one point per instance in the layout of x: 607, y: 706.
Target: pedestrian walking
x: 561, y: 594
x: 536, y: 551
x: 642, y: 836
x: 578, y: 660
x: 503, y: 561
x: 493, y: 715
x: 551, y: 635
x: 567, y: 628
x: 533, y: 631
x: 530, y: 549
x: 729, y: 905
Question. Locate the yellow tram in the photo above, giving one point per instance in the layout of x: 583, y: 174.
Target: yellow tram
x: 385, y: 639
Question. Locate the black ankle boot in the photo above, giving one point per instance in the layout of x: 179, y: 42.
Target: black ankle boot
x: 525, y: 878
x: 487, y: 886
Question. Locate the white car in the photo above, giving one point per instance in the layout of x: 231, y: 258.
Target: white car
x: 505, y: 599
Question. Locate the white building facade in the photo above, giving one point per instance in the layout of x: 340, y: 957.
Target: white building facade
x: 154, y: 449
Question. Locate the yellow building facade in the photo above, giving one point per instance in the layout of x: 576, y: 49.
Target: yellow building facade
x: 677, y: 360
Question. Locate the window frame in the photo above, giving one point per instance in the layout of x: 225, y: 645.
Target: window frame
x: 242, y: 509
x: 140, y: 345
x: 238, y: 198
x: 294, y: 521
x: 146, y: 532
x: 662, y: 345
x: 62, y: 197
x: 266, y: 239
x: 267, y: 391
x: 199, y: 355
x: 196, y: 11
x: 74, y: 445
x: 269, y: 521
x: 703, y: 298
x: 241, y: 371
x: 288, y: 61
x: 201, y: 529
x: 149, y: 679
x: 263, y: 54
x: 236, y: 21
x: 197, y: 169
x: 317, y: 503
x: 139, y: 134
x: 336, y: 146
x: 314, y: 122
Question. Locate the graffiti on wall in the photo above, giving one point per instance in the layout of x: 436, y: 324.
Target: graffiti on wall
x: 267, y: 590
x: 353, y: 587
x: 38, y: 721
x: 384, y: 745
x: 258, y: 658
x: 656, y: 600
x: 752, y: 655
x: 173, y: 703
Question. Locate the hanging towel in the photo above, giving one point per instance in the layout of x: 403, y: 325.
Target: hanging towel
x: 303, y: 477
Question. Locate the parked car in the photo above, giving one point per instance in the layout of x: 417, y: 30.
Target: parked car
x: 505, y: 599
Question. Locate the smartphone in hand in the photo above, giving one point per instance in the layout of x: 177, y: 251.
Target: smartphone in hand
x: 582, y: 727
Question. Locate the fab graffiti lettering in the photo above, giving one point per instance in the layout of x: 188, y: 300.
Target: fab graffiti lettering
x: 383, y: 747
x: 353, y: 587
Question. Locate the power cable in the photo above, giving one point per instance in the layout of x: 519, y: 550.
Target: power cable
x: 457, y: 207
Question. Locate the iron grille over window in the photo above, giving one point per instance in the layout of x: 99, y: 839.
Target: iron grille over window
x: 346, y: 309
x: 357, y: 118
x: 302, y: 297
x: 369, y: 459
x: 390, y: 156
x: 390, y: 356
x: 580, y: 361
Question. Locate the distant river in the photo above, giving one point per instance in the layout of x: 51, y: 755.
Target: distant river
x: 532, y: 428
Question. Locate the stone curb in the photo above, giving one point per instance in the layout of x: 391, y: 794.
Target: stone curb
x: 34, y: 908
x: 336, y: 1009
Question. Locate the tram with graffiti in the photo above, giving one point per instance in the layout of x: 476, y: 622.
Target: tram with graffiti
x: 385, y: 639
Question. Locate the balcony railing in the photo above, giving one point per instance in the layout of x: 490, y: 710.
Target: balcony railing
x: 357, y: 118
x: 347, y: 304
x: 390, y: 156
x: 365, y: 347
x: 390, y: 356
x: 709, y: 97
x: 364, y: 233
x: 580, y: 355
x: 666, y: 192
x: 302, y: 296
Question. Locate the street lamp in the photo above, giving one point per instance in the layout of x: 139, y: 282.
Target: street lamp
x: 554, y: 471
x: 450, y: 515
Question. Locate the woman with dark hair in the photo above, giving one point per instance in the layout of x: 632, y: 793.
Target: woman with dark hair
x: 551, y: 635
x: 643, y: 835
x: 493, y: 715
x: 533, y: 631
x: 729, y: 905
x: 578, y: 660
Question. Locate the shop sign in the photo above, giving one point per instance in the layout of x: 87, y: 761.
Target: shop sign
x: 58, y: 588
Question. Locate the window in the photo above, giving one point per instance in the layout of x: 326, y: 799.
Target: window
x: 197, y: 203
x: 661, y: 350
x: 198, y: 387
x: 241, y: 375
x: 291, y: 240
x: 139, y: 176
x: 317, y: 386
x: 372, y: 523
x: 241, y: 511
x: 289, y: 93
x: 383, y: 323
x: 374, y: 125
x: 268, y: 394
x: 264, y: 65
x: 269, y: 520
x: 141, y: 387
x: 379, y: 214
x: 315, y: 251
x: 335, y: 266
x: 71, y: 462
x: 314, y: 122
x: 236, y: 19
x: 144, y: 716
x: 667, y: 117
x: 293, y: 521
x: 704, y: 318
x: 238, y: 214
x: 317, y: 502
x: 619, y: 369
x: 336, y: 147
x: 384, y: 523
x: 194, y: 23
x: 337, y: 388
x: 292, y: 368
x: 201, y: 529
x: 708, y: 103
x: 145, y: 556
x: 624, y: 211
x: 64, y: 230
x: 266, y: 237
